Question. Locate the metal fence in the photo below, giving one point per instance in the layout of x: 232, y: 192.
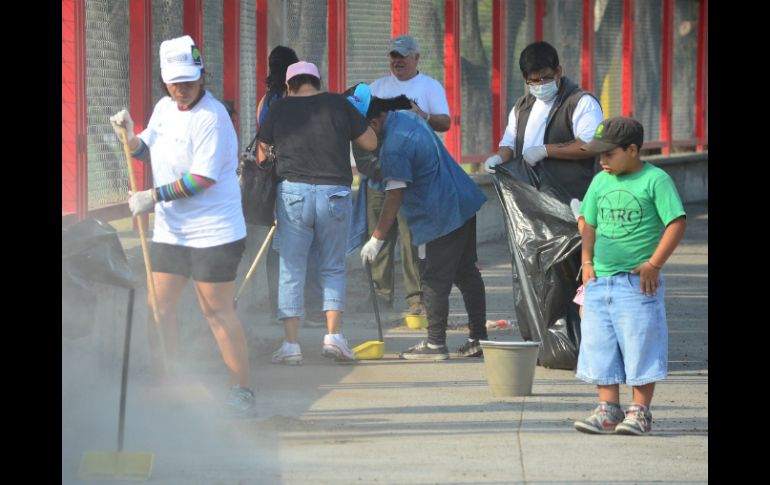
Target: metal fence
x: 213, y: 49
x: 247, y: 111
x: 368, y: 33
x: 166, y: 24
x: 648, y: 66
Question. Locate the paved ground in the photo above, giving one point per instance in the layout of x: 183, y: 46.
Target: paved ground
x: 399, y: 422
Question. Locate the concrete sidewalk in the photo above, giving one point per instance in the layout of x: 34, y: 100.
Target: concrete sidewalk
x: 398, y: 422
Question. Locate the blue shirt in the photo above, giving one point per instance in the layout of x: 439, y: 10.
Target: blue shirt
x: 439, y: 197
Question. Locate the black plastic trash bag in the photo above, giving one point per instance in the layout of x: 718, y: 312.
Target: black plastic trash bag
x: 91, y: 254
x: 545, y: 248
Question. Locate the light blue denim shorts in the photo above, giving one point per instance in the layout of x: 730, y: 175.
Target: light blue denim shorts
x: 624, y: 335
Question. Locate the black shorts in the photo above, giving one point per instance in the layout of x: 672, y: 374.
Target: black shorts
x: 217, y: 264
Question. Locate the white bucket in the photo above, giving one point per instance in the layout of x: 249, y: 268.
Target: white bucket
x: 510, y: 366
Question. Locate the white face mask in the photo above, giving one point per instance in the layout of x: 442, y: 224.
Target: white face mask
x: 544, y: 92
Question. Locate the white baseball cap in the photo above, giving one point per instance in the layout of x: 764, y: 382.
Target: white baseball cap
x: 180, y: 60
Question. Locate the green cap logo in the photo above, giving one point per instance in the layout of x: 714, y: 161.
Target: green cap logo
x: 599, y: 131
x: 196, y: 55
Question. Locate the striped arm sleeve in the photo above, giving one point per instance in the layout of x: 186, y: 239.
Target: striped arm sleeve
x: 187, y: 186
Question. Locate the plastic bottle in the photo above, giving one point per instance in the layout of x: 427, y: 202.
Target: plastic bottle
x: 499, y: 324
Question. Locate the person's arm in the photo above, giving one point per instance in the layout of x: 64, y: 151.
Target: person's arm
x: 650, y: 269
x: 367, y: 141
x: 568, y: 150
x: 367, y: 163
x: 439, y: 123
x: 587, y: 257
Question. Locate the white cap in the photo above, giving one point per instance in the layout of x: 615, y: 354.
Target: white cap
x: 180, y: 60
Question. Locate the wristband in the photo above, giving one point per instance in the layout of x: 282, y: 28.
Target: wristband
x: 656, y: 267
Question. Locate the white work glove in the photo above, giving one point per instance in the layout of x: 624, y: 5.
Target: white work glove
x: 122, y: 119
x: 141, y: 202
x: 370, y: 249
x: 532, y: 155
x: 491, y: 162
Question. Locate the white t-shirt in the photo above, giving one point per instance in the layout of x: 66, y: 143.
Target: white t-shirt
x: 200, y: 141
x: 585, y: 119
x: 428, y: 93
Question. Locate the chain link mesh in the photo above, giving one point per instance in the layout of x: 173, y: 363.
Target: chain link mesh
x: 476, y: 94
x: 213, y: 46
x: 520, y: 32
x: 685, y: 69
x: 247, y: 112
x: 107, y: 88
x: 426, y: 25
x: 648, y: 21
x: 368, y: 34
x: 302, y: 26
x: 608, y: 55
x: 563, y: 29
x: 166, y: 24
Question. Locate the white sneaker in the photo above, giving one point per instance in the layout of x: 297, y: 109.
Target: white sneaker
x: 336, y: 347
x: 289, y: 354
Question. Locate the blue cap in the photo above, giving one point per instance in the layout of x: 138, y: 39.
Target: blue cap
x: 361, y: 98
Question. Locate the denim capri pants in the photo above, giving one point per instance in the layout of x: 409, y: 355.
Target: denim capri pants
x: 624, y: 335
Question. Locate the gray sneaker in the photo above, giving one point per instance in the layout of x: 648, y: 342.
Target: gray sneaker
x: 638, y: 421
x: 240, y: 400
x: 422, y: 351
x: 604, y: 419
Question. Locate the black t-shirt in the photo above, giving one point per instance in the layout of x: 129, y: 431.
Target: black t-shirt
x: 312, y: 135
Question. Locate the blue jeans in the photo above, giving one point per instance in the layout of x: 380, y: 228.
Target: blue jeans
x: 624, y: 335
x: 308, y: 215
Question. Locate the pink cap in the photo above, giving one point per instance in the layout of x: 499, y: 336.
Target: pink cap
x: 302, y: 67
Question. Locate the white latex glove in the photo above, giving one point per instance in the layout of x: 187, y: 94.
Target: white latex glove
x: 370, y: 249
x: 141, y: 202
x: 421, y: 251
x: 491, y: 162
x: 532, y: 155
x: 122, y: 119
x: 574, y: 204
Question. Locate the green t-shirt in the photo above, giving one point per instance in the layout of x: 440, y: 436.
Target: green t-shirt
x: 630, y: 213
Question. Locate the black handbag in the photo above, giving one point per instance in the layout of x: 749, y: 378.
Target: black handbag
x: 258, y: 186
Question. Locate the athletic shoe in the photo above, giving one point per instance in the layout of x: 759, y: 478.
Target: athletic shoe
x: 289, y: 354
x: 336, y: 347
x: 240, y: 400
x: 422, y: 351
x: 638, y: 421
x: 471, y: 348
x: 604, y: 419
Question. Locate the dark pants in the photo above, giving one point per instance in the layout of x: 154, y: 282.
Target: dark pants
x: 451, y: 259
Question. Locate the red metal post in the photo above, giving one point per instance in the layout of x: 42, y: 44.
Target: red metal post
x: 539, y: 14
x: 81, y: 107
x: 627, y: 105
x: 232, y: 51
x: 452, y: 76
x: 587, y: 58
x: 261, y: 48
x: 666, y: 124
x: 69, y: 85
x: 140, y: 75
x: 702, y: 77
x: 337, y: 29
x: 399, y: 15
x: 192, y: 21
x: 499, y: 72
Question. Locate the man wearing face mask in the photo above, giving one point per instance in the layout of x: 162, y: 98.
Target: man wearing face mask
x: 548, y: 125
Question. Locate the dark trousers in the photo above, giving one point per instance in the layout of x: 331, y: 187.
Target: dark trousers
x: 451, y: 259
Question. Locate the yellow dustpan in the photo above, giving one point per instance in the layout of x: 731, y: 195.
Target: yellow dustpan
x: 119, y: 465
x: 373, y: 349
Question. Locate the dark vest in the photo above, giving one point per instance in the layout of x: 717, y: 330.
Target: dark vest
x: 572, y: 177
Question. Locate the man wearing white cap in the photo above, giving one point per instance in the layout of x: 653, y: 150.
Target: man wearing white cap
x: 199, y: 231
x: 428, y: 100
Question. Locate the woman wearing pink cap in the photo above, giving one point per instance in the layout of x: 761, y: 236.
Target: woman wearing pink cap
x: 310, y: 131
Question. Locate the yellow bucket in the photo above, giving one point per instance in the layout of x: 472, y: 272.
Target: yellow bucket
x: 416, y: 321
x: 371, y: 350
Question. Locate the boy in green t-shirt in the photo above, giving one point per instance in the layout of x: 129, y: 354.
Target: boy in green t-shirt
x: 634, y: 220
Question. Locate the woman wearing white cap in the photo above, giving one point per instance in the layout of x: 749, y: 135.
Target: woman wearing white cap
x: 310, y: 132
x: 199, y: 230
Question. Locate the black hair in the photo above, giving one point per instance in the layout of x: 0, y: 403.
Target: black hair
x: 301, y: 79
x: 280, y: 59
x: 538, y: 56
x: 377, y: 106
